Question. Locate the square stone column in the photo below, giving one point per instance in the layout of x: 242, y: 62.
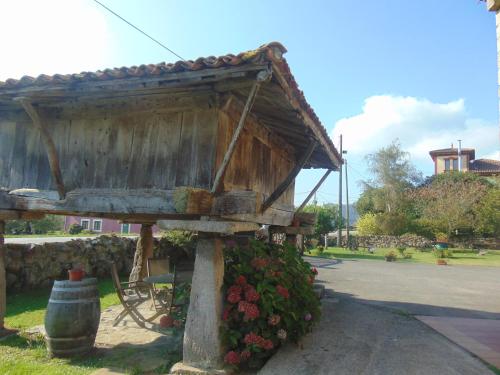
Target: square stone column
x: 203, y: 351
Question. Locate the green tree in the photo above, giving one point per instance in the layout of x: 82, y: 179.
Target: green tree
x: 458, y: 203
x: 327, y: 218
x: 393, y: 173
x: 50, y: 223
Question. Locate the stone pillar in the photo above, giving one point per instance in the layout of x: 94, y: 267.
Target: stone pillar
x: 143, y: 251
x: 203, y: 351
x: 3, y: 282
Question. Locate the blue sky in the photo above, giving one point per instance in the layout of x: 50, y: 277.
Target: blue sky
x: 422, y: 71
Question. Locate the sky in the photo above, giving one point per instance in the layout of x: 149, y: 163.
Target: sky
x: 423, y: 72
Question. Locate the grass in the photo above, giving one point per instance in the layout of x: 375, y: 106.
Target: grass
x: 460, y: 256
x: 27, y: 309
x: 26, y: 354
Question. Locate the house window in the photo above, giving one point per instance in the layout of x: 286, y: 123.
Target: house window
x: 85, y: 224
x: 455, y: 164
x: 446, y: 164
x: 125, y: 228
x: 97, y: 225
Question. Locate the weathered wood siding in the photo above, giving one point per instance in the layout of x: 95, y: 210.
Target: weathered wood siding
x: 258, y: 162
x: 122, y: 151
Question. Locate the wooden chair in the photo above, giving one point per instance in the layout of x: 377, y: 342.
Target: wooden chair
x: 131, y: 296
x: 163, y: 284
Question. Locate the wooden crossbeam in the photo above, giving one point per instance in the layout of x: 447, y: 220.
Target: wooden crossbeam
x: 291, y: 176
x: 313, y: 191
x: 261, y: 77
x: 50, y: 147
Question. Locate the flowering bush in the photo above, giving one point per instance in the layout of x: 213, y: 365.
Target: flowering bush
x: 269, y: 299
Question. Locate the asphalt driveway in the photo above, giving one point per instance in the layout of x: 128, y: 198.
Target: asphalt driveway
x: 367, y: 325
x: 418, y: 289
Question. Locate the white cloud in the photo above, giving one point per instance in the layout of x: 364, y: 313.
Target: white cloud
x: 419, y: 124
x: 52, y: 36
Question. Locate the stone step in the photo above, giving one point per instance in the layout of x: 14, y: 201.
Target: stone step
x: 319, y: 289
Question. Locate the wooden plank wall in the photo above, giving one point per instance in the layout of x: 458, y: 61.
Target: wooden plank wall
x: 159, y: 150
x: 258, y: 162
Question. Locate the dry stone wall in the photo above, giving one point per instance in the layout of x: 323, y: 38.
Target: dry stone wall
x: 418, y: 242
x: 30, y: 267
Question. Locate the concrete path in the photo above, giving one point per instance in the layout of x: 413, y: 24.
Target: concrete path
x: 355, y: 338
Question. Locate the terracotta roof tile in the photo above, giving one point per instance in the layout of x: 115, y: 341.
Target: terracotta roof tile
x: 485, y: 166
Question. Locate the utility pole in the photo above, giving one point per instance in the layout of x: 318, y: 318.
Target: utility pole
x: 347, y: 203
x: 460, y: 155
x: 339, y: 232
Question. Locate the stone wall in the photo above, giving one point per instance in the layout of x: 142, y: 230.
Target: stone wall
x: 30, y: 267
x: 394, y: 241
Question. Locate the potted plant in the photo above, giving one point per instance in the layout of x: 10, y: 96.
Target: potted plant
x: 76, y: 273
x: 441, y: 241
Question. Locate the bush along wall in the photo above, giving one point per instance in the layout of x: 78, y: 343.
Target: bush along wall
x: 269, y: 299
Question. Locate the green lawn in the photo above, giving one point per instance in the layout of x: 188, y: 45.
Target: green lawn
x: 460, y: 257
x: 27, y: 309
x: 21, y: 355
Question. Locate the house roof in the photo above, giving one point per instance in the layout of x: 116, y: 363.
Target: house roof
x: 270, y: 55
x: 452, y: 152
x: 485, y: 166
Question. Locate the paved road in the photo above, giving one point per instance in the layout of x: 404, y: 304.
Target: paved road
x: 419, y: 289
x: 356, y: 337
x: 41, y: 240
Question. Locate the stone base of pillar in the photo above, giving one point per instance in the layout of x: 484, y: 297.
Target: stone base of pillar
x: 202, y: 350
x: 182, y: 369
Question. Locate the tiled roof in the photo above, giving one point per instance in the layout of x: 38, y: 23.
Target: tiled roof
x: 271, y: 52
x: 451, y: 151
x: 485, y: 166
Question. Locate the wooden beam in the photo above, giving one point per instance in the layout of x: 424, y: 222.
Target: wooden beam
x: 20, y: 215
x: 313, y: 191
x: 208, y: 226
x: 147, y: 205
x: 261, y: 77
x: 50, y: 147
x: 291, y: 177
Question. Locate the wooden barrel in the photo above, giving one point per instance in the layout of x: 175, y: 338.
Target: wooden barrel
x: 72, y: 317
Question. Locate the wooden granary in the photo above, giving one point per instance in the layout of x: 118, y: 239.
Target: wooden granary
x: 212, y: 145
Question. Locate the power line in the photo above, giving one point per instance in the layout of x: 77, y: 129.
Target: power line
x: 142, y: 32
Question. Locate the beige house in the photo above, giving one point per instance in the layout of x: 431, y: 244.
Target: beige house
x: 447, y: 160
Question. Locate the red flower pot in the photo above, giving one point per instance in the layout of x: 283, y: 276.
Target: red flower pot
x: 76, y: 275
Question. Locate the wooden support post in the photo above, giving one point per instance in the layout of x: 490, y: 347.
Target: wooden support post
x: 143, y: 251
x: 291, y: 176
x: 313, y: 191
x: 261, y: 77
x: 203, y: 351
x: 3, y: 281
x: 50, y: 147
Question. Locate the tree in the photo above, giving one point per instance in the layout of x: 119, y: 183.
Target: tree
x: 327, y: 218
x: 392, y: 173
x: 49, y: 223
x: 456, y: 202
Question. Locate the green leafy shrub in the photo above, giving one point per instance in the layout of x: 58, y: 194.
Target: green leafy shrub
x: 367, y: 225
x: 179, y: 238
x: 442, y: 253
x: 391, y: 256
x: 320, y: 248
x: 75, y: 229
x: 401, y: 250
x: 269, y: 299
